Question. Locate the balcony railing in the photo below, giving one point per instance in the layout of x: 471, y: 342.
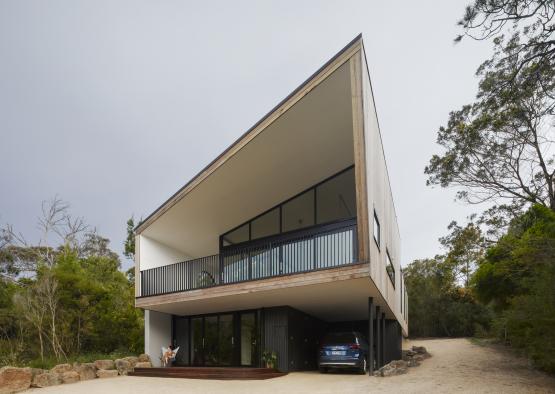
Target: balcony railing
x: 316, y: 248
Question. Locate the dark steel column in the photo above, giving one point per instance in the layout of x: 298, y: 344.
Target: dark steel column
x: 382, y: 356
x: 379, y: 338
x: 370, y: 336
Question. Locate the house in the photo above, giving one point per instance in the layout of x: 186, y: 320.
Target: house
x: 289, y: 233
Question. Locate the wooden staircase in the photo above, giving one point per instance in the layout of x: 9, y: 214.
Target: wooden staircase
x: 215, y: 373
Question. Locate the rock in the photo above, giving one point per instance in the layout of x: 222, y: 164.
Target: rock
x: 104, y: 364
x: 419, y: 349
x: 47, y: 379
x: 105, y: 373
x: 413, y: 363
x: 396, y: 367
x: 86, y: 371
x: 61, y: 368
x: 144, y: 358
x: 70, y: 377
x: 143, y: 365
x: 132, y: 360
x: 37, y: 371
x: 14, y: 379
x: 123, y: 366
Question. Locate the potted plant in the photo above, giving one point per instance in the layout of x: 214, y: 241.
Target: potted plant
x: 270, y: 359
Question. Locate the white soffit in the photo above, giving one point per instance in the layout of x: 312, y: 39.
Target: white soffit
x: 308, y: 143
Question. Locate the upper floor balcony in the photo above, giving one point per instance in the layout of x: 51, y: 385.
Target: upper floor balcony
x: 310, y: 249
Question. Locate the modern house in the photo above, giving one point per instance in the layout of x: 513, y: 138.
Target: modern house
x: 289, y: 233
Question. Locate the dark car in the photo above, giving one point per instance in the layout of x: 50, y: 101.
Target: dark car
x: 347, y: 349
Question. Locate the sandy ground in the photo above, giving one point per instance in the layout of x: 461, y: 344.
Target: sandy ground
x: 456, y: 366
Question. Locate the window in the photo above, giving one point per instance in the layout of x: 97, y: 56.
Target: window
x: 237, y: 236
x: 336, y: 198
x: 331, y: 200
x: 376, y: 229
x: 299, y: 212
x: 390, y: 268
x: 265, y: 225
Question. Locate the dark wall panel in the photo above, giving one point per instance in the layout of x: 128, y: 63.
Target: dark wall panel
x: 275, y: 334
x: 393, y: 341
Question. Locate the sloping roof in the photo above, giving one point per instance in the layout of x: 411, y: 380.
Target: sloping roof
x: 356, y: 42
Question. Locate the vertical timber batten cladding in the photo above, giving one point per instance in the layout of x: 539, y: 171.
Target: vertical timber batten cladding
x: 273, y: 243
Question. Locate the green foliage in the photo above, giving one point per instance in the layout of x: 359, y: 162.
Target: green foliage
x: 77, y: 306
x: 438, y: 305
x: 517, y: 277
x: 129, y: 245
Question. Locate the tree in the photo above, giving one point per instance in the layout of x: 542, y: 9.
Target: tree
x: 465, y: 247
x: 129, y: 245
x: 501, y: 146
x: 517, y: 278
x: 528, y: 23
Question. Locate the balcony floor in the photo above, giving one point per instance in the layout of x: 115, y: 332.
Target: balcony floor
x: 335, y: 294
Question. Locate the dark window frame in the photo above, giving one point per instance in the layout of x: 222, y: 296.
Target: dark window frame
x: 280, y: 206
x: 389, y: 267
x: 377, y: 238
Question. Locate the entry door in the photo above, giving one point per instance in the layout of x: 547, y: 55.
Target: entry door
x: 247, y: 332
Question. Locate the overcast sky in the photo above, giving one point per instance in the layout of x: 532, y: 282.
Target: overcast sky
x: 114, y: 105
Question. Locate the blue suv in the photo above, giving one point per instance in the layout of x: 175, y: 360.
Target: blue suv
x: 344, y: 350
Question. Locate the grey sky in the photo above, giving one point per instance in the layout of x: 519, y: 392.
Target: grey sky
x: 114, y: 105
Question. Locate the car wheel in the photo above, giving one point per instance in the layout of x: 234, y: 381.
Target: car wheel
x: 323, y: 370
x: 364, y: 367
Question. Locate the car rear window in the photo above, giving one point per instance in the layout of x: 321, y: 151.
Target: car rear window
x: 339, y: 338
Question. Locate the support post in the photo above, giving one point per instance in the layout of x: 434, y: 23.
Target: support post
x: 379, y: 338
x: 382, y: 356
x: 370, y: 336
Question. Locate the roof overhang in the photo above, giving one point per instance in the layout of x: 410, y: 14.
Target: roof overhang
x: 303, y: 140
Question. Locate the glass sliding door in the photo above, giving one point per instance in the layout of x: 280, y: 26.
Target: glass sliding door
x: 197, y: 339
x: 181, y: 340
x: 248, y: 338
x: 225, y: 340
x: 211, y: 340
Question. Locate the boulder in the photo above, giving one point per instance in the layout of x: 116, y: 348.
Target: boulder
x: 144, y: 358
x: 413, y: 363
x: 396, y: 367
x: 105, y: 373
x: 104, y: 364
x: 123, y: 366
x: 70, y: 377
x: 14, y: 379
x: 132, y: 360
x: 47, y: 379
x: 146, y: 364
x: 86, y: 371
x: 37, y: 371
x: 61, y: 368
x: 419, y: 349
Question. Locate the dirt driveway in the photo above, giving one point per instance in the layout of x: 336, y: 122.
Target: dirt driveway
x: 456, y: 366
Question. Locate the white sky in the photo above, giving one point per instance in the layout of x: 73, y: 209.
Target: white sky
x: 114, y: 105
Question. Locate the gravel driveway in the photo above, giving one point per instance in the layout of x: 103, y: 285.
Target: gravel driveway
x: 456, y: 366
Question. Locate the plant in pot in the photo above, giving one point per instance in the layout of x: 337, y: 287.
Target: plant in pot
x: 269, y: 358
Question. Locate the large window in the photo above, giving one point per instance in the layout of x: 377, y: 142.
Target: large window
x: 336, y: 199
x: 266, y: 224
x: 329, y: 201
x: 299, y: 212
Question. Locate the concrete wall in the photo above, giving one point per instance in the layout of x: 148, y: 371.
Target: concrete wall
x: 380, y: 201
x: 155, y: 254
x: 157, y: 334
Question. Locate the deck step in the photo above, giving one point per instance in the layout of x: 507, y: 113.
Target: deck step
x: 216, y: 373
